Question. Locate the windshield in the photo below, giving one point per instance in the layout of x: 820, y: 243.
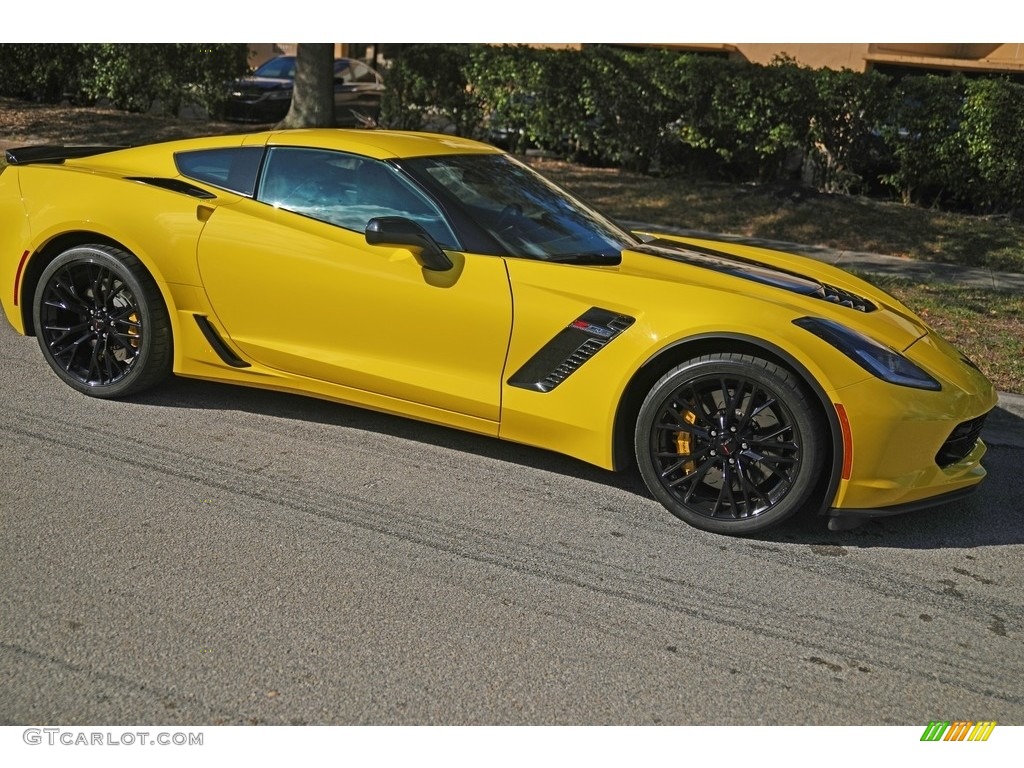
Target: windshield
x: 282, y: 66
x: 522, y: 213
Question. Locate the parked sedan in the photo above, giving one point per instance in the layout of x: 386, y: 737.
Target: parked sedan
x: 266, y: 96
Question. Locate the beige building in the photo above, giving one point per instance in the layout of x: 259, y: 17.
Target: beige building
x: 1007, y: 58
x: 885, y: 57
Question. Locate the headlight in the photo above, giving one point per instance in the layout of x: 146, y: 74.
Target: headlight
x: 879, y: 360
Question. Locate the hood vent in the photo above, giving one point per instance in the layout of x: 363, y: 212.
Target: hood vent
x: 755, y: 271
x: 846, y: 298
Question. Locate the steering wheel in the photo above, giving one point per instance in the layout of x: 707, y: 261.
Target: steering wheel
x: 510, y: 214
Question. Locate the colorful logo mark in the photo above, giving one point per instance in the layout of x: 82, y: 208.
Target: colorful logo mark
x: 958, y: 730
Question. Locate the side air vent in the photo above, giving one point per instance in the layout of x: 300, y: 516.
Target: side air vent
x: 224, y: 352
x: 571, y: 364
x: 620, y: 323
x: 175, y: 185
x: 960, y: 442
x: 571, y: 347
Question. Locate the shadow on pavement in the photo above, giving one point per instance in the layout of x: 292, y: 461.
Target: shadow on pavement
x: 988, y: 517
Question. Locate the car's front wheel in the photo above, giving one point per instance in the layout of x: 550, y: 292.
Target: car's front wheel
x: 730, y: 443
x: 101, y: 322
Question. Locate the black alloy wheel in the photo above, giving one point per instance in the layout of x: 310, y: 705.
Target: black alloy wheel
x: 730, y: 443
x: 101, y: 322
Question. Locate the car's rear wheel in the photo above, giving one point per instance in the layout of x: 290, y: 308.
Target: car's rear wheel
x: 101, y: 322
x: 730, y: 443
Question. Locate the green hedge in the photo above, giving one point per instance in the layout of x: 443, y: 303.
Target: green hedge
x: 926, y: 139
x: 130, y: 76
x: 45, y: 72
x: 939, y: 141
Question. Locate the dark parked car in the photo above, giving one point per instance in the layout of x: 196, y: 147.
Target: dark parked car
x: 266, y: 96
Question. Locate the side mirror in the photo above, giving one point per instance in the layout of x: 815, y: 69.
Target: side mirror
x: 399, y: 231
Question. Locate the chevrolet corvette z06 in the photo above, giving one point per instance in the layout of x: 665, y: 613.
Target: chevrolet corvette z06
x: 440, y: 279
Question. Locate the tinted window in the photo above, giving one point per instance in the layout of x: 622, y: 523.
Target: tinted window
x: 234, y: 169
x: 282, y: 66
x: 346, y: 190
x: 523, y: 213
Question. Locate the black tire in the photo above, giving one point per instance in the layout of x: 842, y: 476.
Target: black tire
x: 730, y: 443
x: 101, y: 322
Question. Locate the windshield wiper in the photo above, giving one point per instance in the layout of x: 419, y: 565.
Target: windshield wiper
x: 588, y: 259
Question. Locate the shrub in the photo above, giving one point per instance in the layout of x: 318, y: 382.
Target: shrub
x: 130, y: 77
x: 48, y: 72
x: 134, y: 77
x: 427, y: 90
x: 991, y: 124
x: 923, y: 132
x: 931, y: 139
x: 847, y: 152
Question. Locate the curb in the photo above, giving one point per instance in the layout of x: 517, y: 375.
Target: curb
x: 1005, y: 424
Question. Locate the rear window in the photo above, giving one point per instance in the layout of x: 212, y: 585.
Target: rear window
x: 234, y: 168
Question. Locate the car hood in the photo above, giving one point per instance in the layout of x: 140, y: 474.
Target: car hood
x: 803, y: 285
x: 262, y: 84
x: 747, y: 268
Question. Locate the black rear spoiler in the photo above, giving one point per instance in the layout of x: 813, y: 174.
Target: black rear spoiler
x: 53, y: 153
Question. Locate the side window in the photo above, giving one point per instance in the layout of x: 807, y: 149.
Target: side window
x: 362, y: 73
x: 346, y: 191
x: 234, y: 168
x: 342, y: 72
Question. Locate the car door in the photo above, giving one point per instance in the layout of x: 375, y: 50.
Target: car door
x: 297, y: 288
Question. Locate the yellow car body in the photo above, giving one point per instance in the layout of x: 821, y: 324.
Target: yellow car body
x: 282, y: 298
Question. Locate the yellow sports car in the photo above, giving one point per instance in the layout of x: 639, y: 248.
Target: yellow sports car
x: 438, y: 278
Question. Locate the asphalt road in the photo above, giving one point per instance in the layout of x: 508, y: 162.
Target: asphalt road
x: 214, y: 555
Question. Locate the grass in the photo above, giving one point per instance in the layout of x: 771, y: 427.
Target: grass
x: 800, y: 216
x: 986, y: 325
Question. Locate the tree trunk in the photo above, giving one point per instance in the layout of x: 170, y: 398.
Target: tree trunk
x: 313, y: 96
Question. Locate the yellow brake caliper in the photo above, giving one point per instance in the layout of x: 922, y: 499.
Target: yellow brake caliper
x: 133, y: 331
x: 684, y: 441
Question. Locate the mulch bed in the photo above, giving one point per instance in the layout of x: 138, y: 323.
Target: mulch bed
x: 23, y: 123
